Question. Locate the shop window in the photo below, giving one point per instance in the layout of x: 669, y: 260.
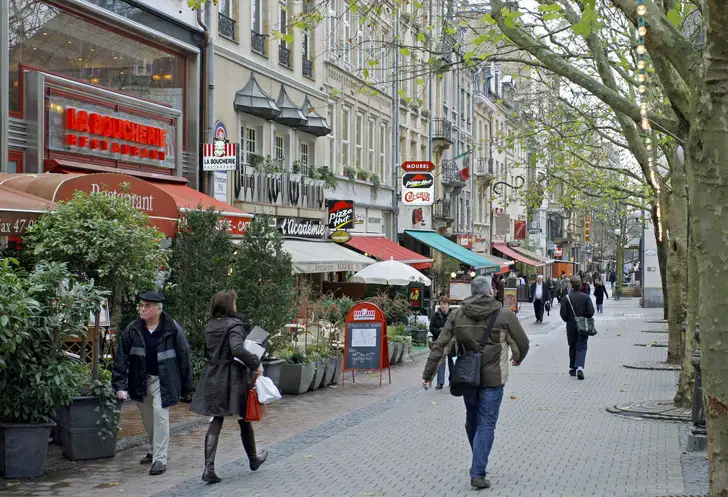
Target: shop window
x: 347, y: 37
x: 45, y: 37
x: 383, y: 173
x: 331, y: 38
x: 304, y: 154
x: 280, y: 151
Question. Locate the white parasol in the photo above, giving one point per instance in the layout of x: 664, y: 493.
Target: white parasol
x: 391, y: 273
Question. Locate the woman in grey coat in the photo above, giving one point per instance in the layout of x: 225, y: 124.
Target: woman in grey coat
x: 223, y: 390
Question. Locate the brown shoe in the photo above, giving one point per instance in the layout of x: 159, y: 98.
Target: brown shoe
x: 480, y: 483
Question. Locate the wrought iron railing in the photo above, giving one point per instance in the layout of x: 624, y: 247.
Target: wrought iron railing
x: 482, y: 166
x: 226, y: 26
x: 442, y: 130
x: 284, y: 56
x: 442, y: 209
x: 306, y: 67
x: 286, y: 189
x: 257, y: 42
x: 451, y: 175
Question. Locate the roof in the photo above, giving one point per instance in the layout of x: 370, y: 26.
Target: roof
x: 313, y: 256
x: 384, y: 249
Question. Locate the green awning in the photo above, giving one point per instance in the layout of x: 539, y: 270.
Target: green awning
x: 438, y: 242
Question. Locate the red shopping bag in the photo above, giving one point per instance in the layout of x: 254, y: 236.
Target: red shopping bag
x: 254, y: 410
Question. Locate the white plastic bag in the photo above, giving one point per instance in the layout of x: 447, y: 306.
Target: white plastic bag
x: 267, y: 391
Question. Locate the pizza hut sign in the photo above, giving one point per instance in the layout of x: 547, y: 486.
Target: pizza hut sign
x: 418, y: 189
x: 341, y: 214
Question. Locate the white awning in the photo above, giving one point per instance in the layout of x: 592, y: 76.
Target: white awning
x: 311, y: 256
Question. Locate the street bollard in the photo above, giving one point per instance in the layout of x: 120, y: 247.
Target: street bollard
x: 698, y: 438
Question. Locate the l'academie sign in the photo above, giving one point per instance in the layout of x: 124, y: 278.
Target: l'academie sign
x: 304, y: 229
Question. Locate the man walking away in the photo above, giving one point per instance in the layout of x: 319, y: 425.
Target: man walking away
x: 539, y: 296
x: 600, y: 291
x: 576, y: 304
x: 467, y: 325
x: 438, y: 321
x: 612, y: 279
x: 152, y: 367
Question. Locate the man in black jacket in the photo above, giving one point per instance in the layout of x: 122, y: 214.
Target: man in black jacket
x: 436, y: 324
x: 576, y: 304
x: 152, y: 367
x: 539, y: 294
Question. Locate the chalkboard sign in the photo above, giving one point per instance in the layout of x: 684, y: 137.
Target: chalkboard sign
x: 365, y: 340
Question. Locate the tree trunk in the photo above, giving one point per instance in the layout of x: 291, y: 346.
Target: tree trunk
x: 662, y: 265
x: 620, y: 269
x: 95, y: 347
x: 686, y: 386
x: 708, y: 179
x: 674, y: 219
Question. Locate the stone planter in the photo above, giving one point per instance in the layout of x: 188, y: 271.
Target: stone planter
x: 397, y: 352
x: 319, y: 375
x: 23, y: 449
x: 272, y: 369
x: 402, y: 351
x: 78, y: 427
x: 419, y: 337
x: 330, y: 370
x: 392, y: 351
x: 339, y: 370
x: 296, y: 378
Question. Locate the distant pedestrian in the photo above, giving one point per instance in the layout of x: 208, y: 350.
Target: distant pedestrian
x: 552, y: 286
x: 539, y: 296
x: 600, y: 291
x: 436, y: 324
x: 223, y: 389
x: 563, y: 286
x: 585, y: 287
x: 152, y: 367
x: 501, y: 289
x: 467, y: 325
x: 612, y: 279
x: 576, y: 304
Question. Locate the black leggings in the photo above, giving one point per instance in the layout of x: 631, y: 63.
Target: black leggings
x: 216, y: 424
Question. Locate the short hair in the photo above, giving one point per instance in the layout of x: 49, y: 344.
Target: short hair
x: 444, y: 299
x: 575, y: 282
x: 223, y: 304
x: 482, y: 285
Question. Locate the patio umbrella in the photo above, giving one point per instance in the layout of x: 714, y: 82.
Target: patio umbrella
x: 391, y: 273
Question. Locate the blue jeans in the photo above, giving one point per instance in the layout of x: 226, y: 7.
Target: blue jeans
x: 441, y: 371
x: 482, y: 406
x: 600, y: 308
x: 577, y: 349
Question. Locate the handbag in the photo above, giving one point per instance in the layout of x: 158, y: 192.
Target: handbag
x: 465, y: 373
x: 254, y: 410
x: 585, y: 326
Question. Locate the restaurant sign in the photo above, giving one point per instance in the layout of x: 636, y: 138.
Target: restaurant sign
x: 303, y: 229
x: 341, y: 214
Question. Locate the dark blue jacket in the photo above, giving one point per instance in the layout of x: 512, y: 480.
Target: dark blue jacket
x: 583, y: 306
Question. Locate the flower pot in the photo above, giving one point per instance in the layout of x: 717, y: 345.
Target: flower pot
x: 78, y: 425
x: 296, y: 378
x: 319, y: 376
x: 339, y: 370
x: 419, y: 337
x: 272, y: 369
x: 23, y: 449
x: 392, y: 351
x: 402, y: 350
x: 329, y: 373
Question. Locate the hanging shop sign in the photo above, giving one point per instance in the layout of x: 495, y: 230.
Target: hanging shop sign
x: 340, y: 236
x: 303, y: 229
x: 418, y: 217
x: 558, y: 252
x: 418, y: 189
x: 88, y: 129
x: 534, y: 226
x: 414, y: 297
x: 519, y: 230
x: 418, y: 166
x: 219, y: 156
x: 341, y: 214
x: 466, y: 241
x: 220, y: 131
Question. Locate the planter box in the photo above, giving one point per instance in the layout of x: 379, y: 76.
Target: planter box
x: 392, y: 351
x: 272, y: 369
x: 397, y: 352
x: 402, y: 351
x: 339, y: 370
x: 23, y: 449
x: 330, y: 370
x: 419, y: 337
x: 296, y: 378
x: 319, y: 376
x: 78, y: 425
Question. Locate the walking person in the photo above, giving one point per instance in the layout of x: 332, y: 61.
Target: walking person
x: 552, y: 286
x: 612, y: 279
x: 152, y: 367
x: 468, y: 325
x: 223, y: 389
x: 539, y: 296
x: 576, y: 304
x: 600, y: 291
x: 438, y: 321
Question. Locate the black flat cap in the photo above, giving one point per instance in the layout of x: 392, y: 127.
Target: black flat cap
x: 151, y: 297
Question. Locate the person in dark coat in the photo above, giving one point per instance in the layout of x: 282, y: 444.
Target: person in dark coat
x: 436, y: 324
x: 223, y: 389
x: 539, y: 295
x: 585, y: 287
x: 600, y: 291
x: 152, y: 367
x: 612, y: 278
x: 576, y: 304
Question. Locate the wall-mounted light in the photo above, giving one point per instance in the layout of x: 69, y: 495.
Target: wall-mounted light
x: 168, y: 77
x: 472, y: 274
x: 453, y: 275
x: 156, y: 77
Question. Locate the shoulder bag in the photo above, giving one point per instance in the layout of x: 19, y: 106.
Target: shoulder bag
x: 466, y: 371
x: 585, y: 326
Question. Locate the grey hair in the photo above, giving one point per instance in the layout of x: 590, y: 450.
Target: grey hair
x: 482, y: 285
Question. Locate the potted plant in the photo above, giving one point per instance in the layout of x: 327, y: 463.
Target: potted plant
x: 298, y: 168
x: 425, y: 113
x: 418, y: 332
x: 320, y: 362
x: 256, y: 161
x: 297, y: 374
x: 362, y: 174
x: 350, y: 172
x: 395, y: 337
x: 36, y: 374
x: 89, y: 425
x: 328, y: 177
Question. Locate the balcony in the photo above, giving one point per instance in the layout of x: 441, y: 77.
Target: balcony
x: 442, y: 210
x: 451, y: 175
x: 306, y: 67
x: 284, y: 56
x: 483, y: 167
x: 257, y: 42
x: 441, y: 133
x: 226, y: 26
x: 279, y: 189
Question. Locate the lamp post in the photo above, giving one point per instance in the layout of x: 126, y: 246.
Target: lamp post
x: 620, y: 265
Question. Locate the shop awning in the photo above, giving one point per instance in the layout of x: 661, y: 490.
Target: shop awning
x: 312, y: 256
x: 468, y: 257
x: 291, y: 115
x: 532, y: 255
x: 506, y: 250
x: 251, y: 99
x: 19, y: 210
x: 384, y: 249
x: 187, y: 199
x: 316, y: 125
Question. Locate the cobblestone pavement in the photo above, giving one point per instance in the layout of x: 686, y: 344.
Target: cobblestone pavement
x: 554, y: 437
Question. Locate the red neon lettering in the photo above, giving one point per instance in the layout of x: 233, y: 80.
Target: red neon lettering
x: 104, y: 145
x: 134, y: 151
x: 152, y: 136
x: 118, y: 125
x: 142, y: 134
x: 115, y: 148
x: 107, y: 128
x: 70, y: 118
x: 94, y: 144
x: 144, y: 153
x: 83, y: 141
x: 95, y: 124
x: 134, y: 132
x: 125, y: 149
x: 70, y: 140
x: 82, y: 123
x: 127, y: 130
x: 161, y: 155
x: 162, y: 138
x: 153, y: 154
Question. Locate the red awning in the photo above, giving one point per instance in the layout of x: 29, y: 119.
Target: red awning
x: 384, y: 249
x: 69, y: 167
x: 506, y: 250
x: 19, y: 210
x: 190, y: 199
